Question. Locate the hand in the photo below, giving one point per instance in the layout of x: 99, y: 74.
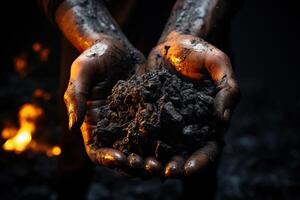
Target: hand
x: 194, y: 58
x: 92, y: 76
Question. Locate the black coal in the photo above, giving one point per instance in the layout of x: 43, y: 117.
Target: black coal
x: 158, y: 114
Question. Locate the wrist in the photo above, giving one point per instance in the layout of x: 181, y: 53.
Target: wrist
x: 81, y: 36
x: 84, y: 37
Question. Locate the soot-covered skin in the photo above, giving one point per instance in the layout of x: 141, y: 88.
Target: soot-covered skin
x: 157, y: 114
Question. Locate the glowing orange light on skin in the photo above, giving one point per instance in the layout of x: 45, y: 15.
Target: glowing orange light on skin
x: 186, y: 62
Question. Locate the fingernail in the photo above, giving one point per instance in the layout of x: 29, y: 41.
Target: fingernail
x: 227, y: 114
x: 72, y: 120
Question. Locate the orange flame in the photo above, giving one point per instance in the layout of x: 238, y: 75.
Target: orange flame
x: 28, y: 114
x: 20, y: 140
x: 9, y: 132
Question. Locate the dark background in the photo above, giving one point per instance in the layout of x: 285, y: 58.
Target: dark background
x: 262, y: 156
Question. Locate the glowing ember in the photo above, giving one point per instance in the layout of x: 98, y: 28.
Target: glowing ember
x: 36, y: 47
x: 44, y: 54
x: 39, y: 93
x: 21, y: 65
x: 41, y: 50
x: 55, y: 151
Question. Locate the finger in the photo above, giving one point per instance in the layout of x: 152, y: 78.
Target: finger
x: 152, y: 166
x: 76, y: 105
x: 201, y: 159
x: 225, y: 102
x: 140, y: 69
x: 102, y: 156
x: 135, y: 161
x: 75, y: 96
x: 175, y: 168
x: 110, y: 157
x: 220, y: 69
x: 99, y: 91
x: 92, y: 116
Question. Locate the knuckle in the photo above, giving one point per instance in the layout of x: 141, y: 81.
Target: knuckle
x: 80, y: 66
x: 222, y: 55
x: 66, y: 97
x: 156, y: 51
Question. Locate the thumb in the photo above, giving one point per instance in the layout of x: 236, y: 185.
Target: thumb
x: 77, y: 91
x: 76, y: 105
x: 155, y: 59
x: 203, y: 158
x: 226, y: 100
x: 220, y: 69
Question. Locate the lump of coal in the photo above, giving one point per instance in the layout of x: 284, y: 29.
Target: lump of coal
x: 157, y: 114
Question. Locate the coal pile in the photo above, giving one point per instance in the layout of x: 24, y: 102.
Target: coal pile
x: 158, y: 114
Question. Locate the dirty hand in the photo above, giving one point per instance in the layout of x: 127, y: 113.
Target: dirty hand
x: 92, y: 76
x: 194, y: 58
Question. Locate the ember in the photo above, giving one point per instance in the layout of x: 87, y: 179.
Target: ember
x: 41, y: 50
x: 39, y: 93
x: 21, y: 65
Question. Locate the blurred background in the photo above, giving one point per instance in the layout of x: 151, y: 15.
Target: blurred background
x: 260, y: 161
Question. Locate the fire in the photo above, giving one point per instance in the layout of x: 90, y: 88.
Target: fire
x: 21, y: 139
x: 19, y: 142
x: 9, y: 132
x: 28, y: 115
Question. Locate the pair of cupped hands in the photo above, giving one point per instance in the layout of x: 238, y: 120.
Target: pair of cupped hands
x: 97, y: 69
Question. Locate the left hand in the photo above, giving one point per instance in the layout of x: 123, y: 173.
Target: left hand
x: 194, y: 58
x: 93, y: 74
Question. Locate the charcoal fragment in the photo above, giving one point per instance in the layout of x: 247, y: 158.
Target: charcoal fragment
x: 157, y: 114
x: 163, y: 150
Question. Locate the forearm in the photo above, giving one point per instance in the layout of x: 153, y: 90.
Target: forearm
x: 198, y: 17
x: 86, y: 22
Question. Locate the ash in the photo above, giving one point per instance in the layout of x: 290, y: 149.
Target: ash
x: 157, y: 113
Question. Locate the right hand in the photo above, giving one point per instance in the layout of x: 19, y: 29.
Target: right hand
x: 93, y: 74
